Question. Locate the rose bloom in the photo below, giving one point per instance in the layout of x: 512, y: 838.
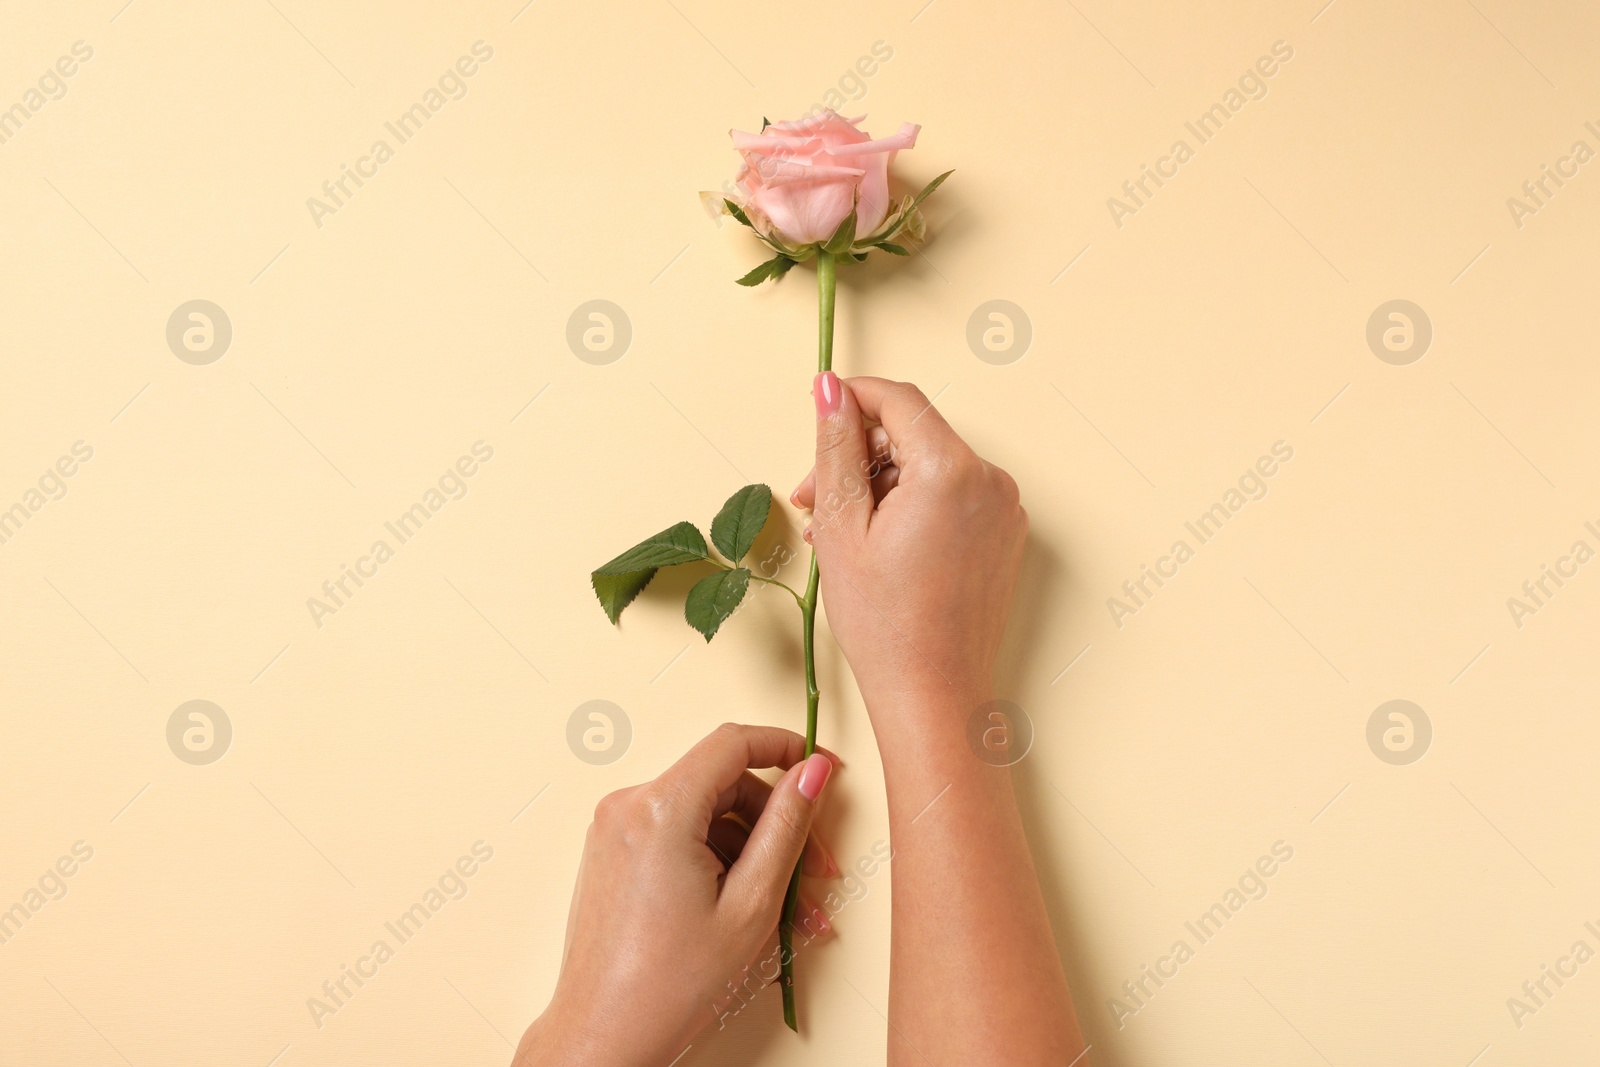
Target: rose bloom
x: 801, y: 179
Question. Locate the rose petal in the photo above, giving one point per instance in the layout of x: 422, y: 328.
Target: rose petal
x: 777, y: 172
x: 823, y: 120
x: 905, y: 138
x: 806, y: 212
x: 872, y: 204
x: 756, y: 142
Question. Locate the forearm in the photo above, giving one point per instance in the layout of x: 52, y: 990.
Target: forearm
x: 976, y: 977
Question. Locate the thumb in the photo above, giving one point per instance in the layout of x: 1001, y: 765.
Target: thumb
x: 758, y: 879
x: 844, y: 489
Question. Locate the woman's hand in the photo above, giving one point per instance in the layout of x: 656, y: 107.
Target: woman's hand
x: 676, y: 899
x: 919, y: 541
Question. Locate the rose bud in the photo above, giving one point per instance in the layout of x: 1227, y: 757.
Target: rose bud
x: 819, y: 183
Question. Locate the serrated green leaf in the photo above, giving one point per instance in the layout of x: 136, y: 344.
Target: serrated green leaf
x: 618, y: 582
x: 616, y: 591
x: 680, y: 543
x: 842, y: 237
x: 894, y: 249
x: 714, y: 598
x: 738, y: 212
x: 776, y: 267
x: 734, y: 529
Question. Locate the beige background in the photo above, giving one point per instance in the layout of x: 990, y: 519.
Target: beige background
x: 1168, y: 354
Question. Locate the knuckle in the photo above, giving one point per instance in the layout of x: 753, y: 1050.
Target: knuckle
x: 656, y: 810
x: 1006, y: 487
x: 792, y: 824
x: 910, y: 394
x: 610, y: 810
x: 831, y: 441
x: 964, y: 471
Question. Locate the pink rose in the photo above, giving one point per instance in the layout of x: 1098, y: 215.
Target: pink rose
x: 801, y: 179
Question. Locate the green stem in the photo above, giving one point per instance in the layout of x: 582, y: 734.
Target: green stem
x: 781, y: 585
x: 825, y: 288
x: 826, y: 285
x: 758, y: 578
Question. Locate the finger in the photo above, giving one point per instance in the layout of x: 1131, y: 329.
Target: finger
x: 756, y: 884
x: 880, y: 457
x: 909, y: 418
x: 747, y: 799
x: 805, y: 494
x: 884, y: 481
x: 809, y: 919
x: 727, y: 836
x: 817, y: 861
x: 697, y: 781
x: 880, y: 450
x: 843, y: 504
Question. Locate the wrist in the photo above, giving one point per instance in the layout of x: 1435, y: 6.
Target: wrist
x: 558, y: 1038
x: 540, y: 1045
x: 919, y: 730
x: 940, y: 707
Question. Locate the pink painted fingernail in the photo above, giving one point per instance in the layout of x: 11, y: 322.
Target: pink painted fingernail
x: 825, y: 390
x: 811, y: 920
x: 816, y: 855
x: 814, y: 775
x: 806, y: 534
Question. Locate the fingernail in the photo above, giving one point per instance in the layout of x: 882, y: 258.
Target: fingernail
x: 814, y: 775
x: 811, y: 920
x: 818, y: 862
x: 806, y: 533
x: 825, y: 390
